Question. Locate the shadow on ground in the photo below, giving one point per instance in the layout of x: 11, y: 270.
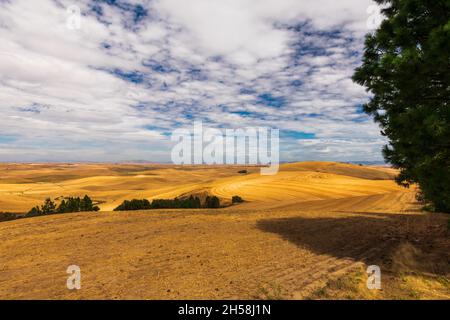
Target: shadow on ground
x: 372, y: 238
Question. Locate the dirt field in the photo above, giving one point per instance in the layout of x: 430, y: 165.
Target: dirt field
x: 308, y: 232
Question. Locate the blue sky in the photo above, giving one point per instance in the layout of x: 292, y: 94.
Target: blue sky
x: 134, y: 71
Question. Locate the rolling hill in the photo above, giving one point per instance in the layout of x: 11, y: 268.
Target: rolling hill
x: 308, y: 232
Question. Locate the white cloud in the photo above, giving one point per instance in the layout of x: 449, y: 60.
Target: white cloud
x: 126, y: 80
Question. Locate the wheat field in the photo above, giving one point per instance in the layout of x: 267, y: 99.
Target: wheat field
x: 308, y: 232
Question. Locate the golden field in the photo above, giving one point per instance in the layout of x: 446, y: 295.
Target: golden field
x: 308, y: 232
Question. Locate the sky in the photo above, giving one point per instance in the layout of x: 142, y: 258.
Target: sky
x: 113, y: 82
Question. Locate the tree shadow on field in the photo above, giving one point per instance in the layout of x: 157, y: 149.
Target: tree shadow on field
x: 372, y: 238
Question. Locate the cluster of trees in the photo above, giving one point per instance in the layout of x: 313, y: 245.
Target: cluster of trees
x: 67, y: 205
x: 72, y: 204
x: 212, y: 202
x: 192, y: 202
x: 188, y: 203
x: 134, y: 204
x: 406, y: 67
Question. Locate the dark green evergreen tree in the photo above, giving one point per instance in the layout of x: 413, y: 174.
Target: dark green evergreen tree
x: 406, y: 68
x: 35, y: 211
x: 62, y: 208
x: 48, y: 207
x: 212, y: 202
x: 86, y: 204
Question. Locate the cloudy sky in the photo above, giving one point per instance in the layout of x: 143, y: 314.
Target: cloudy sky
x: 112, y: 84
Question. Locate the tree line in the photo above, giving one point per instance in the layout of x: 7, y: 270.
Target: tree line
x: 177, y: 203
x: 193, y: 202
x: 67, y: 205
x: 77, y: 204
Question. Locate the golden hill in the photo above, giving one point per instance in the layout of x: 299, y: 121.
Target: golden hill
x: 23, y: 186
x: 308, y: 232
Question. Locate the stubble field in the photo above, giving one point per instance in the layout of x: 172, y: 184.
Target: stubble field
x: 308, y: 232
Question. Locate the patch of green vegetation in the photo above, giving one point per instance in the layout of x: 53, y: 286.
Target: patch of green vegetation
x: 134, y: 204
x: 236, y: 199
x: 414, y: 294
x: 49, y: 207
x: 67, y: 205
x: 8, y: 216
x: 320, y: 293
x: 444, y: 280
x: 192, y: 202
x: 212, y: 202
x: 270, y: 291
x: 344, y: 287
x: 428, y: 208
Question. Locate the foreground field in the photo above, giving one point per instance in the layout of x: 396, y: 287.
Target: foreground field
x: 308, y: 232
